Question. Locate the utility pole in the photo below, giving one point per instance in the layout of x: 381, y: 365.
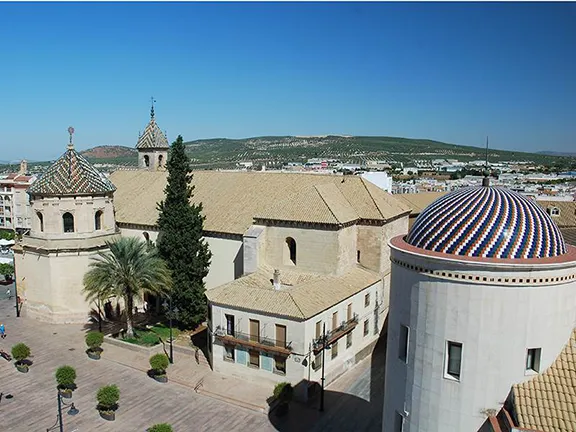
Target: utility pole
x: 323, y: 363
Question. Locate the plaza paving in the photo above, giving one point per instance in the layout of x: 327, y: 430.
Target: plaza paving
x: 220, y: 403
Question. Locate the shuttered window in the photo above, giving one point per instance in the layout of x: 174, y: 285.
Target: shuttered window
x: 280, y: 336
x: 255, y: 330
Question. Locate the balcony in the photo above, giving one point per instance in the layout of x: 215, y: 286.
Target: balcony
x: 248, y: 341
x: 342, y: 330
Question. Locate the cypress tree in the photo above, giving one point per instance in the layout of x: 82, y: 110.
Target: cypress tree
x: 180, y: 240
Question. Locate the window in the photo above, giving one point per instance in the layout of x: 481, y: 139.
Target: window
x: 255, y: 330
x: 290, y: 251
x: 230, y: 325
x: 254, y: 358
x: 553, y: 211
x: 367, y: 300
x: 404, y: 341
x: 398, y: 422
x: 40, y: 221
x: 160, y: 161
x: 68, y: 222
x: 453, y: 360
x: 228, y: 352
x: 317, y: 363
x: 335, y: 320
x: 98, y: 220
x: 366, y: 327
x: 334, y: 349
x: 357, y: 256
x: 318, y: 329
x: 280, y: 336
x: 533, y: 360
x: 349, y: 340
x: 349, y: 312
x: 146, y: 161
x: 280, y: 364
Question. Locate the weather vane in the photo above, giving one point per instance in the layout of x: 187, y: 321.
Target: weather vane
x: 71, y: 132
x: 152, y: 109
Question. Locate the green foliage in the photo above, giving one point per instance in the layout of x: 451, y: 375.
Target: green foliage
x: 164, y: 331
x: 161, y: 427
x: 94, y: 339
x: 65, y: 376
x: 143, y: 338
x: 6, y: 235
x: 159, y: 362
x: 6, y: 270
x: 108, y: 396
x: 127, y: 270
x: 180, y: 240
x: 283, y: 391
x: 20, y: 352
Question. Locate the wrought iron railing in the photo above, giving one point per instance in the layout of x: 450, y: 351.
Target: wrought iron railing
x: 333, y: 335
x: 252, y: 340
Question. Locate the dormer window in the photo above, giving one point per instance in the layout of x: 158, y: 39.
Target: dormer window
x: 98, y: 216
x: 290, y: 251
x: 68, y: 222
x: 553, y: 211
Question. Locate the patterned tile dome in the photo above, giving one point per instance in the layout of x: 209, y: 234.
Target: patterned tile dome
x: 487, y: 222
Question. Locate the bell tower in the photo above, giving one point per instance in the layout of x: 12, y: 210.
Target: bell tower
x: 152, y: 146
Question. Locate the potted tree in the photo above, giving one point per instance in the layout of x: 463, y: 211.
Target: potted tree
x: 159, y: 363
x: 94, y: 340
x: 65, y: 377
x: 107, y: 398
x: 21, y: 352
x: 283, y: 393
x: 161, y: 427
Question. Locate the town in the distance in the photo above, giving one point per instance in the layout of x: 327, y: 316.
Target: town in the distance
x: 432, y: 291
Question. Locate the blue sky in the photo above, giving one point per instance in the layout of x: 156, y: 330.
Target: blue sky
x: 454, y: 72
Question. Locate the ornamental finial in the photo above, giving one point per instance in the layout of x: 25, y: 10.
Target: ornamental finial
x: 71, y: 132
x: 486, y: 179
x: 152, y: 109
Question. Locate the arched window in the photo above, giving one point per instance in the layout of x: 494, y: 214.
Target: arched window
x: 68, y: 221
x: 40, y: 221
x: 98, y: 216
x: 146, y: 161
x: 290, y: 251
x: 146, y: 236
x: 160, y: 161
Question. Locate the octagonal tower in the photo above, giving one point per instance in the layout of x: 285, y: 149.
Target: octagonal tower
x: 73, y: 218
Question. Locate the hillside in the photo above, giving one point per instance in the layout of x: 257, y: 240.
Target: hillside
x: 109, y: 152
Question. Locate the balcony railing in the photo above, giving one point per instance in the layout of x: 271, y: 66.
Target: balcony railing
x: 342, y: 330
x: 259, y: 343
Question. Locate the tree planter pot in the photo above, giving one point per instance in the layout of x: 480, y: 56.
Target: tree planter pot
x: 22, y: 367
x: 108, y: 415
x: 161, y: 378
x: 282, y: 409
x: 94, y: 354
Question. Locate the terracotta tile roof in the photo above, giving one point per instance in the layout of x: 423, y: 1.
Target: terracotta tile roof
x: 419, y: 201
x: 569, y: 234
x: 153, y: 137
x: 302, y: 296
x: 547, y: 402
x: 71, y: 174
x: 567, y: 216
x: 231, y: 200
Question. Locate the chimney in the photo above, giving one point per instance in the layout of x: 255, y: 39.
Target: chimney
x: 276, y: 280
x: 23, y: 167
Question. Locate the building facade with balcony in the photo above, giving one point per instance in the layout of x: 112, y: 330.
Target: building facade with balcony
x: 15, y: 210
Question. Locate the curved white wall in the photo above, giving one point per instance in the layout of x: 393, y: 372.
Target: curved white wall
x: 495, y: 322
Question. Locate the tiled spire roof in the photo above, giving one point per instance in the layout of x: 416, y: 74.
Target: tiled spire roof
x: 71, y: 174
x: 153, y: 137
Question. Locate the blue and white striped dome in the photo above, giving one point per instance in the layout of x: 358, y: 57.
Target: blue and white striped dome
x: 487, y: 222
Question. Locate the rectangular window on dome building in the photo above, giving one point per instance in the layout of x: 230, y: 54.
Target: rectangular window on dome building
x: 453, y: 363
x: 533, y: 360
x: 403, y: 341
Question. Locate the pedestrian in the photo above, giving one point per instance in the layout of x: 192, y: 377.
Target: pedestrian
x: 2, y: 331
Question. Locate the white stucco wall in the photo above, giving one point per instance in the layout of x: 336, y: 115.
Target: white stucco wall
x: 227, y: 259
x: 496, y: 322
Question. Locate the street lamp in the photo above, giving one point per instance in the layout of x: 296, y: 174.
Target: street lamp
x: 322, y: 339
x: 170, y: 313
x: 71, y: 412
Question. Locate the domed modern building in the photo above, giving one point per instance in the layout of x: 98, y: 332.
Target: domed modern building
x: 482, y: 297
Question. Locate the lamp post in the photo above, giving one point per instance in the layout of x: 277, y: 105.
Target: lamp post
x: 323, y: 340
x: 59, y: 423
x: 171, y: 313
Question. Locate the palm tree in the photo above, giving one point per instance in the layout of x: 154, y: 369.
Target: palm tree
x: 127, y: 270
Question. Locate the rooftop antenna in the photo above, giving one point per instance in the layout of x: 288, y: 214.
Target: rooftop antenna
x: 152, y: 109
x: 486, y: 180
x: 71, y: 132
